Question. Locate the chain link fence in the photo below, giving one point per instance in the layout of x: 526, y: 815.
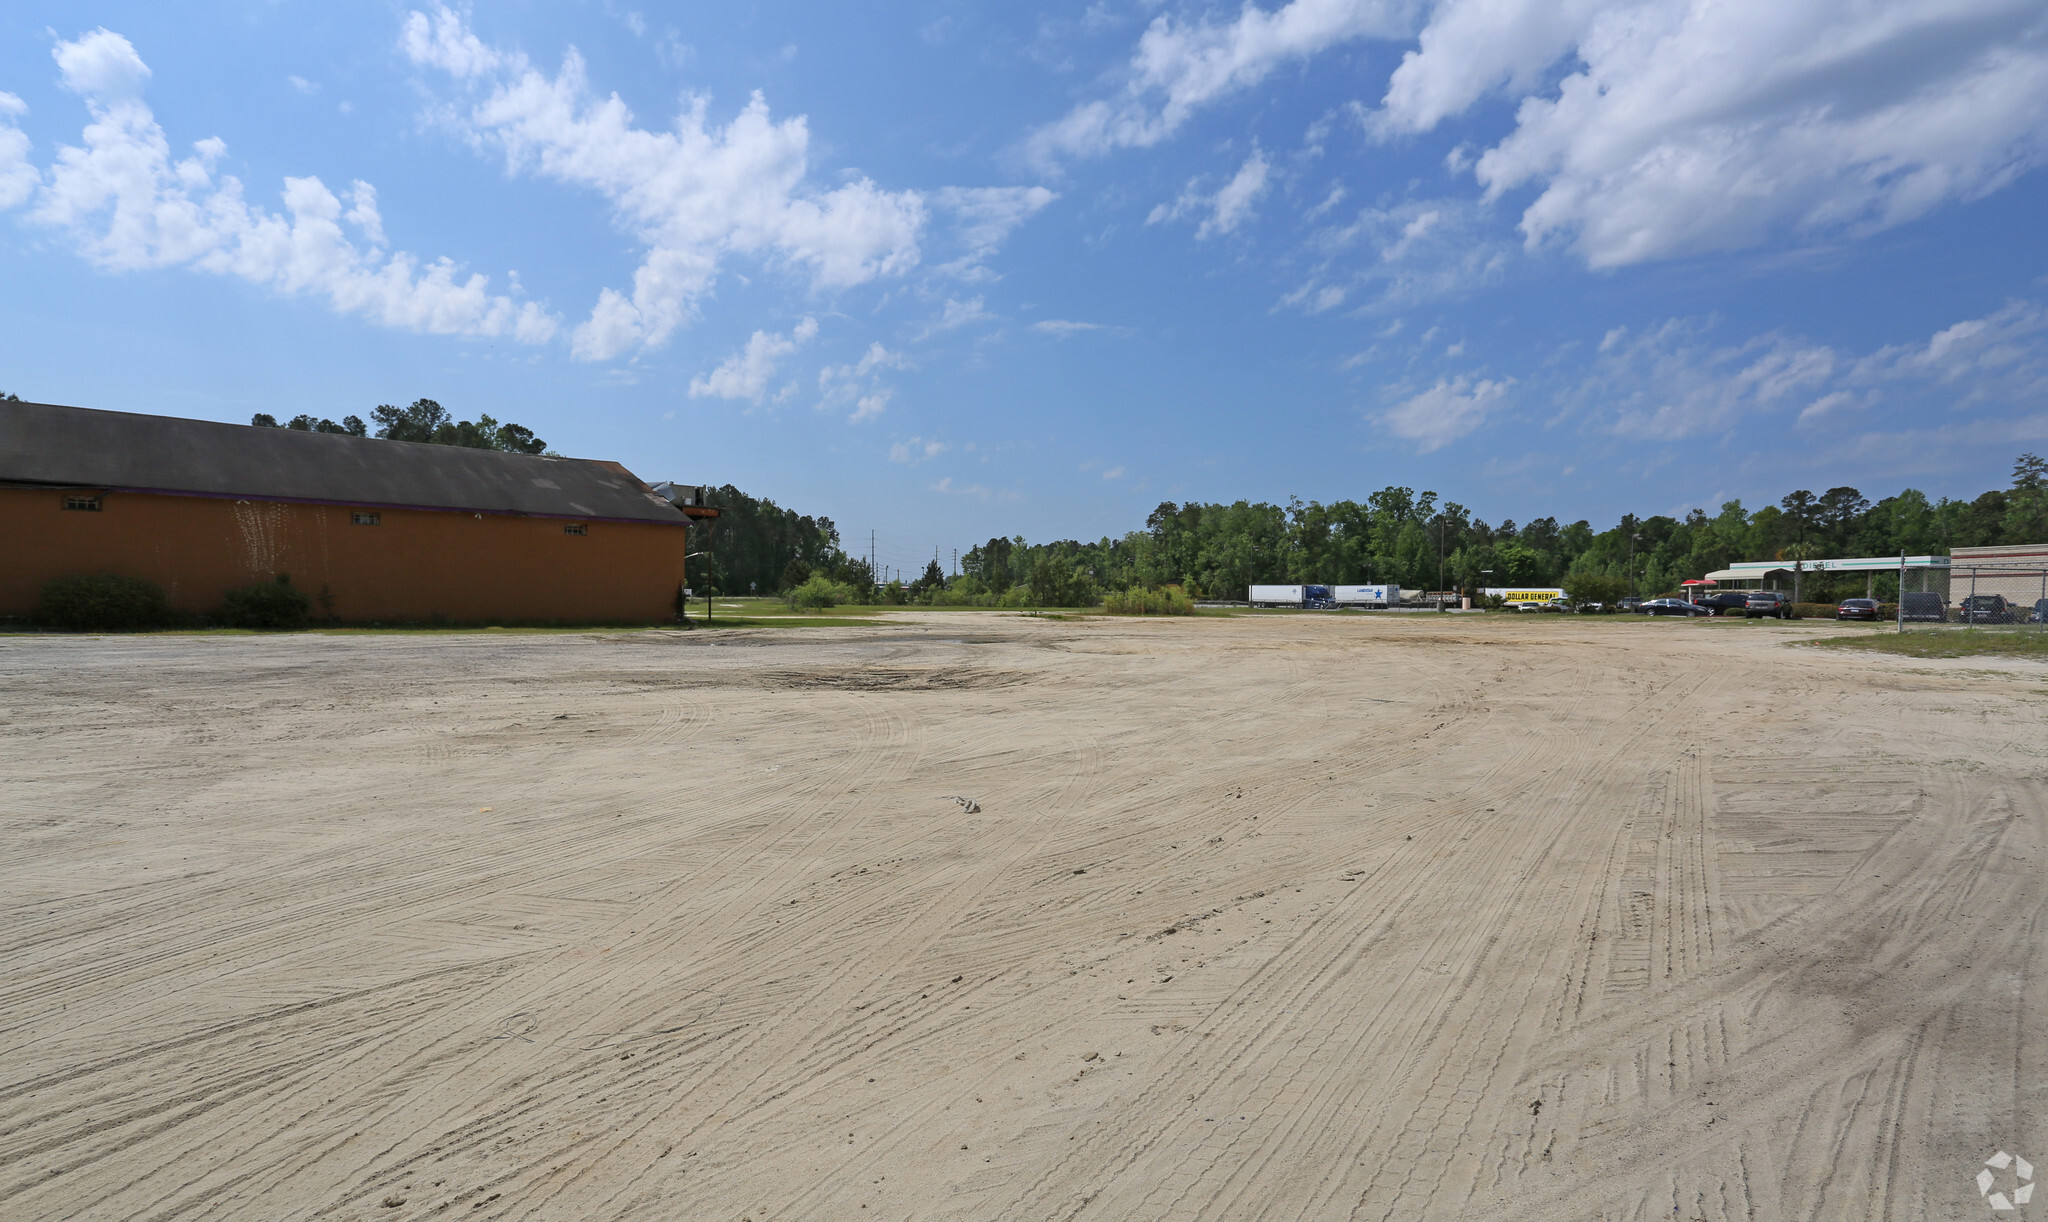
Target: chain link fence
x: 2009, y: 595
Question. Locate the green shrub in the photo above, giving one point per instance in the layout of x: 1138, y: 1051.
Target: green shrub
x: 968, y: 591
x: 1166, y: 600
x: 1582, y: 588
x: 1060, y: 585
x: 817, y: 593
x: 271, y: 604
x: 1813, y: 610
x: 104, y: 602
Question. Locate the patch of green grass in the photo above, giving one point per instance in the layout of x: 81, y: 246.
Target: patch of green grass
x: 784, y: 621
x: 1946, y: 643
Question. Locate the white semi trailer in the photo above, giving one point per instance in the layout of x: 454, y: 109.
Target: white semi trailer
x: 1324, y: 597
x: 1365, y: 596
x: 1277, y: 596
x: 1289, y: 596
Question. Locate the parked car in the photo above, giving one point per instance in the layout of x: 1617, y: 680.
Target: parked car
x: 1985, y: 609
x: 1922, y: 607
x: 1857, y: 608
x: 1724, y: 602
x: 1631, y: 603
x: 1773, y: 603
x: 2040, y: 615
x: 1672, y: 606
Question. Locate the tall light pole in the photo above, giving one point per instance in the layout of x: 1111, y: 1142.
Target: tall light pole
x: 1439, y: 562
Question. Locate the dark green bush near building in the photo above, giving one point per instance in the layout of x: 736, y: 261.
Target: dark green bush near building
x: 104, y: 602
x: 272, y: 604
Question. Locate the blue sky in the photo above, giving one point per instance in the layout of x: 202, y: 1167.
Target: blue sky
x: 943, y: 271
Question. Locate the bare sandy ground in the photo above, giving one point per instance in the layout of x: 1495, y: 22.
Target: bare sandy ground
x: 1276, y: 918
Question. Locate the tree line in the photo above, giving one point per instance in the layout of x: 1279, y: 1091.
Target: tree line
x: 424, y: 421
x: 1396, y: 535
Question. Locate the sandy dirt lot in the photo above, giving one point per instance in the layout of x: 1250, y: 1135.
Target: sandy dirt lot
x: 1258, y: 918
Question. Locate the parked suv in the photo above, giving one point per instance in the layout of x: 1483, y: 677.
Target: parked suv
x: 1922, y: 607
x: 1774, y: 603
x: 1725, y: 602
x: 1985, y: 609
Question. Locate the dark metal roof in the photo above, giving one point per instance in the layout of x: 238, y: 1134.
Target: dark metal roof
x: 81, y: 447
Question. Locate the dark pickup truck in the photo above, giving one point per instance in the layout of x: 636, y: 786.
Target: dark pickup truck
x: 1725, y: 602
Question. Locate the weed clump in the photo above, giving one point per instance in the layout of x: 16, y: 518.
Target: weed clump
x: 104, y: 602
x: 276, y: 605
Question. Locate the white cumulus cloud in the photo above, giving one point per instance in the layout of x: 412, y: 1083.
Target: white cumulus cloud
x: 917, y: 450
x: 872, y: 404
x: 983, y: 218
x: 746, y: 373
x: 18, y: 175
x: 1181, y: 66
x: 876, y: 357
x: 127, y: 203
x: 692, y: 193
x: 1671, y: 381
x: 101, y: 65
x: 1445, y: 412
x: 444, y: 40
x: 1420, y: 250
x: 1234, y: 202
x: 858, y: 384
x: 953, y: 315
x: 1648, y: 129
x: 1472, y: 47
x: 2005, y: 347
x: 1227, y: 207
x: 1699, y: 127
x: 1065, y: 327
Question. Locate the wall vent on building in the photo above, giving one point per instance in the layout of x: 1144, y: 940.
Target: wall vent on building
x: 89, y: 504
x: 364, y: 519
x: 575, y: 528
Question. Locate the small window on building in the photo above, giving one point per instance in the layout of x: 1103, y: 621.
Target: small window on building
x: 364, y: 519
x: 575, y: 528
x: 88, y: 504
